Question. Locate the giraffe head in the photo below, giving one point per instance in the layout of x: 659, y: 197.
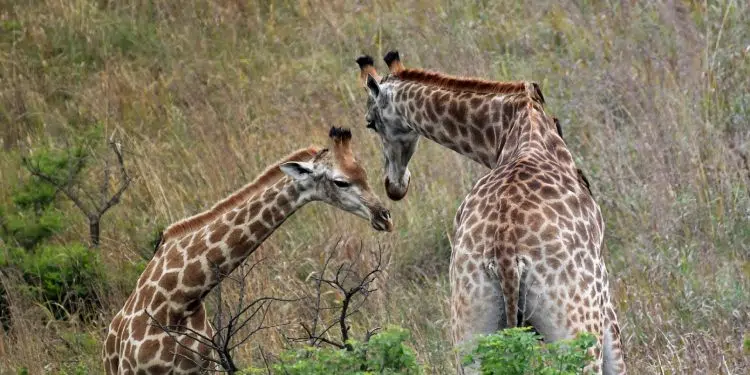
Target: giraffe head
x: 399, y: 139
x: 334, y: 176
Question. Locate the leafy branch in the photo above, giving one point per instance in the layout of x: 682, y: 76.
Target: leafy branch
x: 93, y: 207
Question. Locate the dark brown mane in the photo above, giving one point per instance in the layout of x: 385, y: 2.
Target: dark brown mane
x: 470, y: 84
x: 268, y: 177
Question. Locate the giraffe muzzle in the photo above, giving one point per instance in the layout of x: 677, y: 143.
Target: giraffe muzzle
x: 395, y: 192
x: 381, y: 220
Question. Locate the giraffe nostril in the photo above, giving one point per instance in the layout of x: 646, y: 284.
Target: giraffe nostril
x: 381, y: 220
x: 384, y: 215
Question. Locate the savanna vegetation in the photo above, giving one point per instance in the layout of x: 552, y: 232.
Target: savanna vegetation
x: 653, y: 98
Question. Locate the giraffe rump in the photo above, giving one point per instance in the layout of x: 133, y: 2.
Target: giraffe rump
x: 268, y: 177
x: 469, y: 84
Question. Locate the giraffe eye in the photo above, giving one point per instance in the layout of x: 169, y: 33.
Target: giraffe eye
x: 342, y: 183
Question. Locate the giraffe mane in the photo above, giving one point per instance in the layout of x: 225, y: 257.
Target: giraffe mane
x: 269, y: 176
x: 470, y: 84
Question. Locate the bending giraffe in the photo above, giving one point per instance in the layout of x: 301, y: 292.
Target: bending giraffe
x: 182, y: 272
x: 527, y: 240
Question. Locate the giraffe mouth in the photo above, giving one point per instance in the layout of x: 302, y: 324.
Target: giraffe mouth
x: 395, y: 192
x: 381, y: 221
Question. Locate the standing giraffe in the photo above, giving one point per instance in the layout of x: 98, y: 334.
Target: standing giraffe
x: 526, y: 247
x: 183, y: 270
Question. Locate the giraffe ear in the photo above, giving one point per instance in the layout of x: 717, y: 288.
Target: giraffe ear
x: 372, y: 86
x: 298, y: 170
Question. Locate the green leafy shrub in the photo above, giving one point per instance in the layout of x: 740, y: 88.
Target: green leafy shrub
x: 33, y: 217
x: 384, y: 353
x: 28, y: 229
x: 64, y: 278
x: 519, y: 351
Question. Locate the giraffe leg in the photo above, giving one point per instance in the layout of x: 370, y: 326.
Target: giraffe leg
x: 477, y: 306
x: 556, y: 319
x: 613, y: 355
x: 194, y: 360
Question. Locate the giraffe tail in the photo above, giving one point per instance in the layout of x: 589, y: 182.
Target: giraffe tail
x: 511, y: 271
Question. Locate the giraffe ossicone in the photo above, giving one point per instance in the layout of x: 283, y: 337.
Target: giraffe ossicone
x: 196, y: 253
x: 528, y: 237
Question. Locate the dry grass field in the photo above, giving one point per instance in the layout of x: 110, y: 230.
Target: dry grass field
x: 653, y: 97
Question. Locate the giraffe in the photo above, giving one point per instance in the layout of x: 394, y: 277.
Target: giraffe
x: 170, y: 291
x: 527, y: 238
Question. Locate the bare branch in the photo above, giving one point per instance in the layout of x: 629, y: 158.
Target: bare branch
x: 237, y: 322
x: 370, y: 333
x: 199, y: 337
x: 353, y: 298
x: 265, y: 361
x: 124, y: 179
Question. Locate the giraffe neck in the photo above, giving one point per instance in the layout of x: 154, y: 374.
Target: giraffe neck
x: 491, y: 129
x: 255, y: 220
x: 212, y: 252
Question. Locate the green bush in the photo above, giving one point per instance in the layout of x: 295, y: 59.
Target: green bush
x: 519, y: 351
x: 384, y: 353
x: 28, y: 229
x: 64, y: 278
x: 33, y: 217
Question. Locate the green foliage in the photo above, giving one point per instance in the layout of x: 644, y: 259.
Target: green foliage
x: 75, y: 369
x: 35, y: 195
x: 80, y: 348
x: 33, y: 217
x: 27, y: 229
x: 58, y: 164
x: 385, y: 353
x: 518, y: 351
x: 64, y: 278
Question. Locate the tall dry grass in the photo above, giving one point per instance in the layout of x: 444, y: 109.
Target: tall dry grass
x: 653, y: 97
